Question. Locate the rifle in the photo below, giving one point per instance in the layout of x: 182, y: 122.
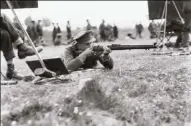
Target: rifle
x: 99, y: 48
x: 129, y: 47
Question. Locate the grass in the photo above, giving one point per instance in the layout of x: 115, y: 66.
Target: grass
x: 141, y: 90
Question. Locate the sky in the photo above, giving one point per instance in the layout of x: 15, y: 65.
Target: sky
x: 124, y: 14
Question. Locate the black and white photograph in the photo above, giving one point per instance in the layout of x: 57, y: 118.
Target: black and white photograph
x: 95, y: 63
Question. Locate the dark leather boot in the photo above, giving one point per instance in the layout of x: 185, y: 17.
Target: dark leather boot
x: 24, y: 51
x: 12, y: 74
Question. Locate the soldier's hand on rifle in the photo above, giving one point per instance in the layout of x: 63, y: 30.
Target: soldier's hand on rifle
x: 100, y: 50
x: 105, y: 56
x: 97, y: 49
x: 85, y: 54
x: 88, y: 52
x: 106, y: 50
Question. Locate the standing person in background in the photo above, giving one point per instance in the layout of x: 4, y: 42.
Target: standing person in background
x: 153, y: 29
x: 58, y: 38
x: 115, y: 31
x: 58, y: 29
x: 54, y: 32
x: 109, y: 32
x: 102, y: 31
x: 34, y: 34
x: 68, y: 29
x: 139, y: 29
x: 88, y: 27
x: 39, y: 29
x: 40, y: 33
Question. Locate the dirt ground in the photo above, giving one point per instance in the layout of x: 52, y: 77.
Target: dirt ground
x: 141, y: 90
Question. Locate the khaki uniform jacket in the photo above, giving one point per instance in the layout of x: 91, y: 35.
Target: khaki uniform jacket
x: 72, y: 61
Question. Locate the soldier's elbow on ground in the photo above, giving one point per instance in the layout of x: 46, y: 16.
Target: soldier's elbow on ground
x: 70, y: 67
x: 110, y: 67
x: 74, y: 64
x: 109, y: 64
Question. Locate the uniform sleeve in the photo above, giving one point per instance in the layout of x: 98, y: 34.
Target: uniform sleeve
x: 108, y: 63
x: 70, y: 61
x: 10, y: 28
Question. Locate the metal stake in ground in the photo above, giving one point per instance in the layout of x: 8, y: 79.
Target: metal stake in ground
x: 30, y: 41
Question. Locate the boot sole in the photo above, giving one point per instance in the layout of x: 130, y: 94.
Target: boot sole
x: 24, y: 55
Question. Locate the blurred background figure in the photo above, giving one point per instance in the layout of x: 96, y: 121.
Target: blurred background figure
x: 58, y: 39
x: 153, y: 29
x: 102, y: 31
x: 54, y: 32
x: 109, y: 32
x: 115, y: 31
x: 139, y: 29
x: 58, y: 30
x: 88, y: 27
x: 68, y: 29
x: 34, y: 33
x: 39, y: 29
x: 40, y: 34
x: 58, y: 36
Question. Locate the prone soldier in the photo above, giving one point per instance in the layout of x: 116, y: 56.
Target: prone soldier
x: 81, y: 53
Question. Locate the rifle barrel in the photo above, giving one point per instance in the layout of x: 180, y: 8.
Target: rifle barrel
x: 124, y: 47
x: 129, y: 47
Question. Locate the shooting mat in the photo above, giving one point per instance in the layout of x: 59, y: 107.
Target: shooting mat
x: 56, y: 65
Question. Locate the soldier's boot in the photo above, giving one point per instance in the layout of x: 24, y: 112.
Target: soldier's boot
x: 24, y: 51
x: 12, y: 74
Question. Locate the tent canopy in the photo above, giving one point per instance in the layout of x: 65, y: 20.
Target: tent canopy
x: 19, y: 4
x: 156, y: 9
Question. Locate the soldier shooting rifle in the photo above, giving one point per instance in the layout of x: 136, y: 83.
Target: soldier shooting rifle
x: 81, y: 53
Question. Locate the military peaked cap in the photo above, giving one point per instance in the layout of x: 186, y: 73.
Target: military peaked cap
x: 84, y: 36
